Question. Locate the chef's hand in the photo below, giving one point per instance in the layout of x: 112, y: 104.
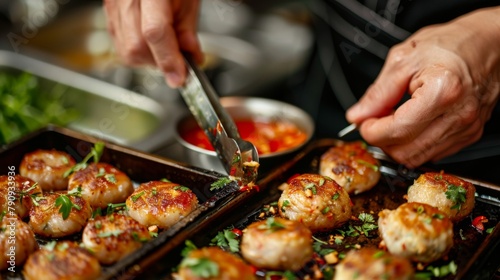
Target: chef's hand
x: 155, y: 32
x: 452, y: 72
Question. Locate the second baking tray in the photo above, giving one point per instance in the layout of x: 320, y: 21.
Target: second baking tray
x: 476, y: 254
x: 140, y: 167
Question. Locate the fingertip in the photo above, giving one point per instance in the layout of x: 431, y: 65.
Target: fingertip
x: 353, y: 113
x: 173, y: 79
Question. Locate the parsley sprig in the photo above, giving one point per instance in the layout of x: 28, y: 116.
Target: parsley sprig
x: 226, y: 239
x: 368, y: 224
x: 201, y: 267
x: 189, y: 247
x: 95, y: 152
x: 457, y: 195
x: 65, y: 204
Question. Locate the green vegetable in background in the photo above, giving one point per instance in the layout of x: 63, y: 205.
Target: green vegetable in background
x: 24, y: 107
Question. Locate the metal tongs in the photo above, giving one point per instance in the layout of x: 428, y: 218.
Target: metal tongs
x: 239, y: 157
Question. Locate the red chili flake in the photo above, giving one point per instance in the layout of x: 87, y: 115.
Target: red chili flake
x: 232, y: 171
x: 292, y: 177
x: 478, y: 223
x: 254, y: 269
x: 318, y: 259
x: 237, y: 231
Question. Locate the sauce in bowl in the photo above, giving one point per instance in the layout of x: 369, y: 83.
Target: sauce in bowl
x: 268, y: 137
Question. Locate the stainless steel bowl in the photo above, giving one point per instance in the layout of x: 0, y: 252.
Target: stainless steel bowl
x: 246, y: 108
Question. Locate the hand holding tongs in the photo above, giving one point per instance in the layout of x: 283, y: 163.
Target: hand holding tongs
x: 239, y: 157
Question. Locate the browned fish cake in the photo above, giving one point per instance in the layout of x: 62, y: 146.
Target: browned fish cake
x: 161, y: 203
x: 102, y: 184
x: 371, y: 263
x: 22, y: 190
x: 351, y: 166
x: 316, y: 201
x: 47, y: 219
x: 223, y: 265
x: 65, y: 260
x: 113, y: 237
x: 277, y: 244
x: 47, y: 168
x: 416, y: 231
x: 448, y: 193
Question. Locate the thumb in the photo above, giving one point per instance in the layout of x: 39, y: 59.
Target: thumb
x: 382, y: 96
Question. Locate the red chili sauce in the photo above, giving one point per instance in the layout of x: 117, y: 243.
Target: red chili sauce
x: 268, y: 137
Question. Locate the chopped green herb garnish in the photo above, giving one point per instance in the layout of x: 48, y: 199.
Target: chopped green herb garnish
x: 110, y: 233
x: 98, y: 225
x: 189, y: 247
x: 457, y: 195
x: 110, y: 178
x: 310, y: 186
x: 286, y: 203
x: 154, y: 192
x: 438, y: 216
x: 95, y: 152
x: 370, y: 165
x: 271, y: 225
x: 321, y: 182
x: 50, y: 245
x: 202, y: 267
x: 182, y: 188
x: 441, y: 271
x: 220, y: 183
x: 138, y: 238
x: 112, y: 207
x: 165, y: 180
x: 135, y: 197
x: 490, y: 230
x: 366, y: 218
x: 33, y: 196
x: 378, y: 254
x: 226, y: 239
x: 336, y: 196
x: 325, y: 210
x: 97, y: 212
x: 420, y: 209
x: 65, y: 205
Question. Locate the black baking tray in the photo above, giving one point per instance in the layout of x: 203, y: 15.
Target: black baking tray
x: 478, y: 257
x: 140, y: 167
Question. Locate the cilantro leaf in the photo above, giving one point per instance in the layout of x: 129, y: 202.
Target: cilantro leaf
x: 457, y: 195
x: 65, y: 205
x: 227, y: 239
x: 202, y: 267
x: 189, y: 247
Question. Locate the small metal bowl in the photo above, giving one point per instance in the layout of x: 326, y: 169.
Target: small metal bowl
x: 246, y: 108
